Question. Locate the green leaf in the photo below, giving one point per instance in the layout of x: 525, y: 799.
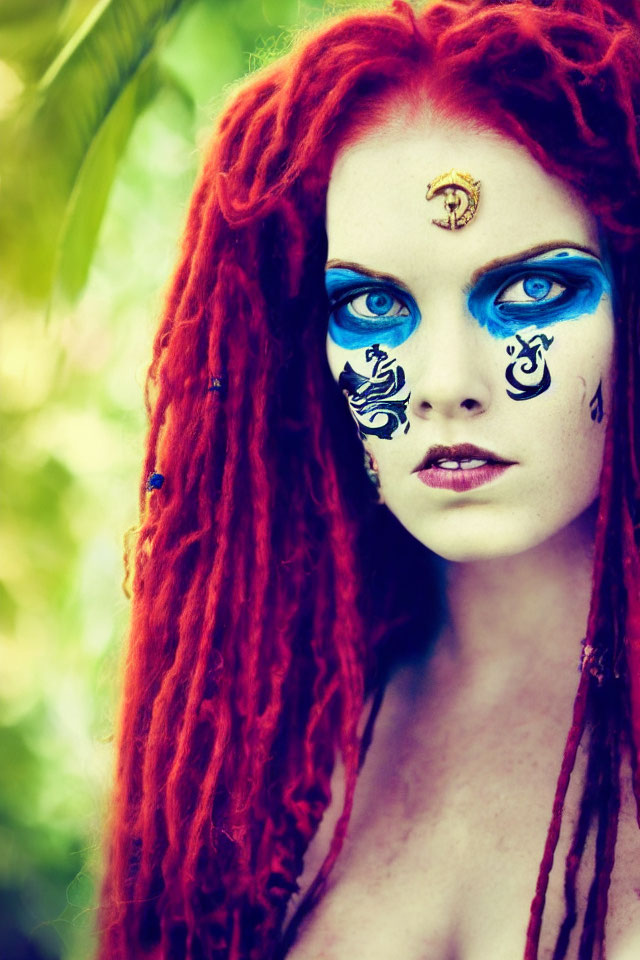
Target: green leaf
x: 90, y: 194
x: 30, y: 34
x: 85, y: 104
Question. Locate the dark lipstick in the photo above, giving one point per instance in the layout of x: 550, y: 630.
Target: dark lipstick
x: 460, y: 467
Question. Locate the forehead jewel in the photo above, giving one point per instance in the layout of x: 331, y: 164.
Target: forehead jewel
x: 461, y: 196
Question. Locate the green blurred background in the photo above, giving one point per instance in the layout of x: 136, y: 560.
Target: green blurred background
x: 103, y: 109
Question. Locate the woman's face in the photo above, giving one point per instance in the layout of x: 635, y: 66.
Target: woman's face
x: 476, y: 361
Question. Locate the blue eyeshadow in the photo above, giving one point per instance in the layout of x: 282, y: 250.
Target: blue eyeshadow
x: 583, y: 280
x: 349, y: 329
x: 391, y: 314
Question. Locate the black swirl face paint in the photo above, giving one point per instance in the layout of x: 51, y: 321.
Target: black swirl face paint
x: 529, y: 374
x: 378, y: 400
x: 596, y: 405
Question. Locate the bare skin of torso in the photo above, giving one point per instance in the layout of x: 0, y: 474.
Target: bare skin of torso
x: 454, y: 800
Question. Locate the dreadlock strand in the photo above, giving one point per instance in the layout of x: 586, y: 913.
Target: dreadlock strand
x: 611, y: 814
x: 168, y: 698
x: 593, y: 932
x: 237, y: 402
x: 568, y: 760
x: 576, y: 853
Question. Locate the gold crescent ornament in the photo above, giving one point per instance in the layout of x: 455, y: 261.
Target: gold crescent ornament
x: 461, y: 195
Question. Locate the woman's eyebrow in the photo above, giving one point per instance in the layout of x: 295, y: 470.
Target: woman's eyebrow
x: 477, y: 274
x: 528, y: 255
x: 358, y: 268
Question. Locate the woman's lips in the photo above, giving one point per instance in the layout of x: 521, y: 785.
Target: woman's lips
x: 461, y: 467
x: 462, y: 478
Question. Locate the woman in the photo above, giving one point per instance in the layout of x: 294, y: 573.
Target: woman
x: 476, y: 167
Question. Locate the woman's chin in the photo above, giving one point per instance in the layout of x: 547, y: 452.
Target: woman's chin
x: 465, y: 540
x: 469, y: 537
x: 471, y: 551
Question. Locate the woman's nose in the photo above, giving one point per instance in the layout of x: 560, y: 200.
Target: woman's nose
x: 450, y: 377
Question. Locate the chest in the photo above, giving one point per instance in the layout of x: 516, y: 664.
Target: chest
x: 444, y: 846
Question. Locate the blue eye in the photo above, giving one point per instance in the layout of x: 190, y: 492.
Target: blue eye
x: 533, y: 289
x: 365, y: 310
x: 537, y: 287
x: 377, y: 303
x: 538, y: 293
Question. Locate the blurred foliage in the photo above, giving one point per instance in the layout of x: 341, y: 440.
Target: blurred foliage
x: 75, y: 77
x: 69, y: 131
x: 102, y: 108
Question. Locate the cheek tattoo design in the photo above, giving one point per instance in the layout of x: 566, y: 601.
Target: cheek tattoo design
x: 378, y: 402
x: 530, y: 364
x: 536, y: 292
x: 597, y: 406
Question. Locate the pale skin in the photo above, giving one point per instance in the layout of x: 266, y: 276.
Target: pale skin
x: 454, y: 800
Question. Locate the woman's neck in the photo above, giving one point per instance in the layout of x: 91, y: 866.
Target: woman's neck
x: 521, y: 616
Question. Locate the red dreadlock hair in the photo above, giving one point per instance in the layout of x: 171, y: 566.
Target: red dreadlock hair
x: 262, y: 618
